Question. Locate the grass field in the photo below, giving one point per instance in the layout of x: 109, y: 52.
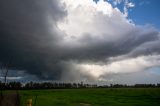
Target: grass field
x: 96, y: 97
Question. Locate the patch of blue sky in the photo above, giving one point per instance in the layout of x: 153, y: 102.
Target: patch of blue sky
x: 154, y: 70
x: 145, y: 12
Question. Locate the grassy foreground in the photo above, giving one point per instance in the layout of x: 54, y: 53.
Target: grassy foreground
x: 96, y: 97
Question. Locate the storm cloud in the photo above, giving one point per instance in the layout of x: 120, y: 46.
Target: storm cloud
x: 73, y: 40
x: 26, y: 35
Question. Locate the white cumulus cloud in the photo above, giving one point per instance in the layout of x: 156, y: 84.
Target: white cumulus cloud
x: 96, y: 21
x: 89, y: 24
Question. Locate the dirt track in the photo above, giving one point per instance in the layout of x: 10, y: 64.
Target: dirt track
x: 9, y: 100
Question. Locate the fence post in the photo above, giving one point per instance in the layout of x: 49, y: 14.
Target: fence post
x: 29, y: 102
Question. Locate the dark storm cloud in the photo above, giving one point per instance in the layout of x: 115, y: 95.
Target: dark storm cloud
x: 25, y: 37
x: 98, y: 50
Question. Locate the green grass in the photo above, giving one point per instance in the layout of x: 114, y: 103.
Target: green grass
x: 96, y: 97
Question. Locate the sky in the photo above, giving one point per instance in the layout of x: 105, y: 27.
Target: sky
x: 94, y: 41
x: 144, y: 12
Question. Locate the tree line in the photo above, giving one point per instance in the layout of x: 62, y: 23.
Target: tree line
x: 56, y: 85
x: 131, y: 86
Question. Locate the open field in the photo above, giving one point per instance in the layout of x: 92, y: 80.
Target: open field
x: 90, y: 97
x: 95, y: 97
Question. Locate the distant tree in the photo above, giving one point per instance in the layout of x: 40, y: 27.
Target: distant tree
x: 4, y: 68
x: 158, y: 85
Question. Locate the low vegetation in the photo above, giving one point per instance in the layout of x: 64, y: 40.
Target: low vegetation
x: 93, y: 97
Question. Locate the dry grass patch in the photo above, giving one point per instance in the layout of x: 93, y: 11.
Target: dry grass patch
x: 10, y: 100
